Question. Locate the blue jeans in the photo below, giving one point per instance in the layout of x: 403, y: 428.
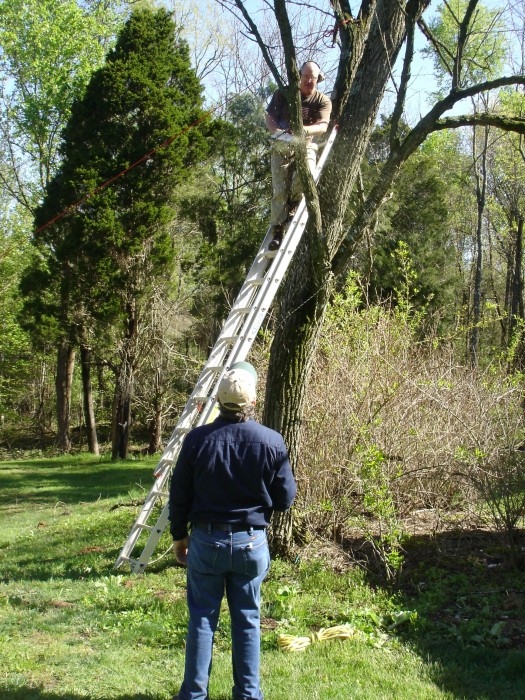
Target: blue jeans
x: 237, y: 562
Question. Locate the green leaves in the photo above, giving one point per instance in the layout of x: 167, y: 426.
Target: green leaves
x: 49, y: 49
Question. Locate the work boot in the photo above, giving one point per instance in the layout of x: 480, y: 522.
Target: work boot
x: 277, y: 237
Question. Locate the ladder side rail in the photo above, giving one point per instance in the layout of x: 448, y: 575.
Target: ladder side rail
x: 187, y: 418
x: 138, y: 565
x: 240, y: 349
x: 259, y: 290
x: 279, y: 267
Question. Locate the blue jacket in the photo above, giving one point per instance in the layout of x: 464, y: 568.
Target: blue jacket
x: 230, y: 472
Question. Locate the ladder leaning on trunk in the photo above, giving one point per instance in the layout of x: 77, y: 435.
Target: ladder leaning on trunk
x: 232, y: 345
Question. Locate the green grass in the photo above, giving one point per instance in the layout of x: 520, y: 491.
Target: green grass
x: 73, y: 627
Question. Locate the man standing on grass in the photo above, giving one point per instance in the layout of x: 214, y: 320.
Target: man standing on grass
x: 316, y: 110
x: 230, y: 476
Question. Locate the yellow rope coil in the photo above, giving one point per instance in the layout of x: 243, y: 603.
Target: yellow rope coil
x: 287, y: 642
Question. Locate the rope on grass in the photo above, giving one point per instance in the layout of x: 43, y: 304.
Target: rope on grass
x: 287, y: 642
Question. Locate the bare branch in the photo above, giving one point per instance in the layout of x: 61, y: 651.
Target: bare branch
x: 442, y: 51
x: 403, y: 86
x: 262, y: 45
x: 462, y: 41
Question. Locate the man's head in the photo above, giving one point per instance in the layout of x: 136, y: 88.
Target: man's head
x: 237, y: 388
x: 310, y: 76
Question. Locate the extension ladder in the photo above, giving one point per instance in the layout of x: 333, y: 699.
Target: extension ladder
x: 232, y: 345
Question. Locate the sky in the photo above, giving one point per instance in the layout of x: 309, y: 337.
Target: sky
x: 318, y: 34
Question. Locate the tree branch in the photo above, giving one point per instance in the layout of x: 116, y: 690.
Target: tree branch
x: 264, y: 48
x: 515, y: 124
x: 462, y: 40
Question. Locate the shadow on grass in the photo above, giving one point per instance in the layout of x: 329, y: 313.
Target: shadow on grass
x: 38, y: 694
x: 71, y: 479
x: 78, y: 551
x: 7, y: 693
x: 470, y: 604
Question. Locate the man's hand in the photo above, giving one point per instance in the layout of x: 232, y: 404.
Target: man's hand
x: 180, y: 550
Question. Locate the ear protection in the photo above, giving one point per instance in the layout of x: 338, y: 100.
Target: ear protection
x: 321, y: 74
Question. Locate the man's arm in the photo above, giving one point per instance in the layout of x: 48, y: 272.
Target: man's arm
x: 284, y: 487
x: 316, y: 129
x: 181, y: 494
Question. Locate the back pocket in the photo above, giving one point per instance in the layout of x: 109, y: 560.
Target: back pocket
x: 256, y: 558
x: 202, y: 556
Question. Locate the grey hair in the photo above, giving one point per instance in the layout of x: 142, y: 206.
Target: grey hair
x: 243, y: 414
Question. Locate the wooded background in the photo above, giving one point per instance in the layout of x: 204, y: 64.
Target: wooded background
x: 135, y: 191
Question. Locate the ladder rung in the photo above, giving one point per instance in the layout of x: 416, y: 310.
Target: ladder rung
x: 228, y: 338
x: 239, y: 331
x: 156, y: 492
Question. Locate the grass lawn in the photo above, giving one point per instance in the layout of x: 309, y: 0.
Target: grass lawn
x: 73, y: 627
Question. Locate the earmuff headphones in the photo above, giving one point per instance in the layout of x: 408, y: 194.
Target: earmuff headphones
x: 321, y: 74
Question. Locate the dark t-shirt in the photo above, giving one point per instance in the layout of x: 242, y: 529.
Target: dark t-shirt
x: 316, y: 107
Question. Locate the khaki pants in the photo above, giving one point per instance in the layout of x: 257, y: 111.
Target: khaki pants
x: 286, y: 186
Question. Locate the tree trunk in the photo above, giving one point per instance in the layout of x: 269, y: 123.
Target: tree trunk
x: 155, y: 439
x: 89, y: 410
x: 481, y: 186
x: 305, y: 295
x: 63, y: 384
x: 516, y: 294
x: 121, y: 421
x: 122, y: 414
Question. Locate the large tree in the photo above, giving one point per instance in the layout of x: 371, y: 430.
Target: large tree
x: 133, y: 122
x: 48, y: 50
x: 370, y: 42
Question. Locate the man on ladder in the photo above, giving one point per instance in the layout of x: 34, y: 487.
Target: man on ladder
x: 316, y: 109
x: 230, y: 476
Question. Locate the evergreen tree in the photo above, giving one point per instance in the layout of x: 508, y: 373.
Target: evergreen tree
x: 131, y: 130
x: 233, y: 212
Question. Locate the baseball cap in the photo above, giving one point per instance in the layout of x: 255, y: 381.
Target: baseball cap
x: 237, y: 388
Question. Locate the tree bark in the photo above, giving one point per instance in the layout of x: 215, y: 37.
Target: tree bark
x: 123, y: 398
x: 305, y: 296
x: 63, y: 384
x: 89, y: 409
x: 155, y: 440
x: 481, y: 186
x: 516, y: 305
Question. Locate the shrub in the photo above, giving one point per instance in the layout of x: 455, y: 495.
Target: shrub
x: 395, y: 424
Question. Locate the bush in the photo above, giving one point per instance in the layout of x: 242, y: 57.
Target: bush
x: 395, y: 424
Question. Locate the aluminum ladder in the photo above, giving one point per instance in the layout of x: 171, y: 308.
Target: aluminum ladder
x: 232, y: 345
